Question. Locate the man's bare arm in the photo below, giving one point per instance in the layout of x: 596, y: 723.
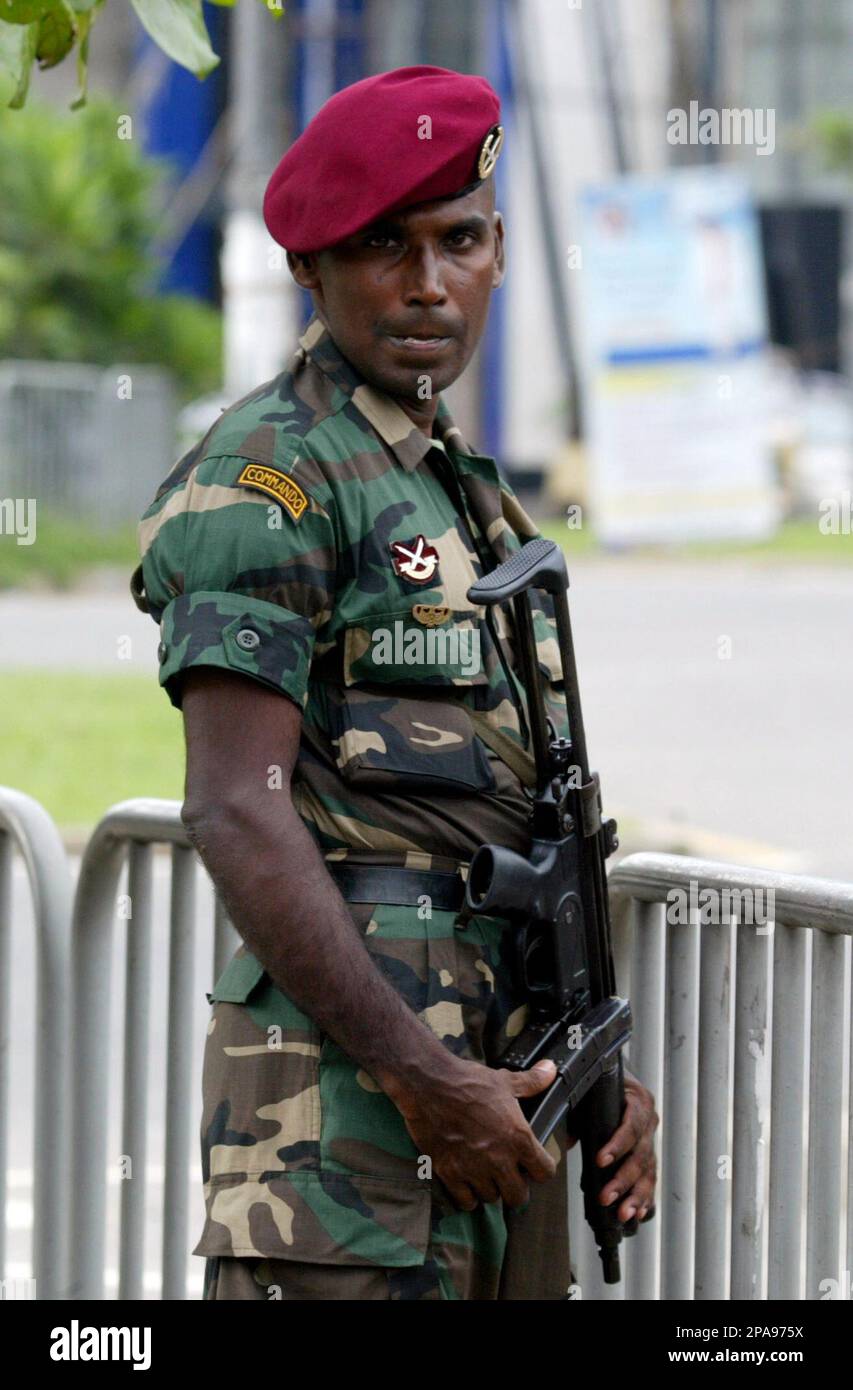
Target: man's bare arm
x: 286, y: 906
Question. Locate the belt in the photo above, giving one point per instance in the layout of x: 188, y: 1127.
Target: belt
x: 397, y: 886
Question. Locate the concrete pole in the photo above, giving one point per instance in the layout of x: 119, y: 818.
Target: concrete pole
x: 259, y: 299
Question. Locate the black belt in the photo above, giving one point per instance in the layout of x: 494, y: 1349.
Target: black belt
x: 393, y: 884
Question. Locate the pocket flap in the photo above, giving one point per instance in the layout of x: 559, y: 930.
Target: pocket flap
x: 237, y: 980
x: 426, y: 644
x: 403, y: 743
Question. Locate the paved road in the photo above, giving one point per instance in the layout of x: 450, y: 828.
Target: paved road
x: 723, y: 698
x: 749, y: 742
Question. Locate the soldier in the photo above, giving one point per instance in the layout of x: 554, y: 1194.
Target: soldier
x: 359, y: 1138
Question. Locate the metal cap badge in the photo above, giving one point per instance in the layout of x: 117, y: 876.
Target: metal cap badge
x: 489, y: 151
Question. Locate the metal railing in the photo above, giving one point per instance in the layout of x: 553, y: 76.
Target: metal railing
x: 85, y: 441
x: 129, y: 831
x: 26, y: 826
x: 742, y: 1032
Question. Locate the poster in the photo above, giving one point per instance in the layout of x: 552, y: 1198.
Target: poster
x: 674, y: 359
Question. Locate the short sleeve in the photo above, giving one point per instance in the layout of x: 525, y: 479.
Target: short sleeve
x: 235, y: 579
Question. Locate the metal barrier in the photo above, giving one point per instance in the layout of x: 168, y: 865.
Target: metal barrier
x: 130, y: 830
x: 754, y: 1115
x: 25, y: 825
x: 64, y: 424
x: 742, y: 1032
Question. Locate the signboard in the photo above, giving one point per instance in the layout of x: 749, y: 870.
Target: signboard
x: 674, y: 359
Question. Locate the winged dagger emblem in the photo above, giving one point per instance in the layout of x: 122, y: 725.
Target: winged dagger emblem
x: 415, y: 560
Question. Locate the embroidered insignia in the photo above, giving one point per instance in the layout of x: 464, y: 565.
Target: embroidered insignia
x: 415, y: 561
x: 430, y: 614
x: 277, y: 485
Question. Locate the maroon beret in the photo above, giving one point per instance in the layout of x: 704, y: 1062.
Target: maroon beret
x: 366, y: 154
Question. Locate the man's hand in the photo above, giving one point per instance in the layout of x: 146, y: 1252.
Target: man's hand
x: 473, y: 1129
x: 634, y: 1180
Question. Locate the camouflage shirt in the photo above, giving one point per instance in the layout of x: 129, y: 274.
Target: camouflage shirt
x: 317, y: 541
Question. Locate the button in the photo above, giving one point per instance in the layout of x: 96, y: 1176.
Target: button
x: 161, y: 652
x: 247, y: 639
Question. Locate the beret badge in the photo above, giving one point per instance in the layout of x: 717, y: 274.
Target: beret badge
x: 489, y: 151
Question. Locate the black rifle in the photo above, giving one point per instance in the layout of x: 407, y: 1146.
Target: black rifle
x: 557, y: 900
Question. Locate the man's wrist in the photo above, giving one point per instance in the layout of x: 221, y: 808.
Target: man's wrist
x: 402, y: 1080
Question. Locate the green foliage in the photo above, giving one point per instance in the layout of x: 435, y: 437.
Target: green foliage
x: 833, y: 133
x: 178, y: 27
x: 798, y: 540
x: 65, y: 551
x: 46, y: 31
x: 79, y: 211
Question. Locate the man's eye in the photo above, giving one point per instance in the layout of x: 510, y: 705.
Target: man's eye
x: 460, y: 239
x: 380, y: 241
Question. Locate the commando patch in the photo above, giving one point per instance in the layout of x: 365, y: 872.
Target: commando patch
x: 277, y: 484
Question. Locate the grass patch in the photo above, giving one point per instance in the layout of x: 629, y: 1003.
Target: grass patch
x: 79, y: 742
x: 797, y: 539
x: 62, y: 551
x: 65, y: 550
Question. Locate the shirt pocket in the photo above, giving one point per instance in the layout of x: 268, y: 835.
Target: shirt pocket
x: 424, y: 644
x: 397, y: 720
x: 406, y: 742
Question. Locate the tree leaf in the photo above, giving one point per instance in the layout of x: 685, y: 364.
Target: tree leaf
x: 85, y: 21
x: 57, y: 31
x: 17, y: 47
x: 179, y: 29
x: 24, y: 11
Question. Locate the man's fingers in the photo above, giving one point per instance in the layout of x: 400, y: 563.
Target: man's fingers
x: 487, y: 1190
x: 629, y: 1173
x: 532, y: 1081
x: 536, y: 1160
x: 514, y: 1190
x: 633, y: 1187
x: 461, y: 1194
x: 634, y: 1202
x: 623, y: 1140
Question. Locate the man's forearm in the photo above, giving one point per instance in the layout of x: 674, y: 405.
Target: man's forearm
x: 298, y: 926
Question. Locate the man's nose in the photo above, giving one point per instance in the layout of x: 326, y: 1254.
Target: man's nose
x: 424, y: 280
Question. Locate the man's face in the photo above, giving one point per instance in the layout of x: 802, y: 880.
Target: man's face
x: 407, y: 297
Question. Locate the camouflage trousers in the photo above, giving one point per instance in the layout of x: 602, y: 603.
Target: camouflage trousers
x: 313, y: 1187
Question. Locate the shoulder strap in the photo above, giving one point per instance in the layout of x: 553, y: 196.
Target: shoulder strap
x: 517, y: 759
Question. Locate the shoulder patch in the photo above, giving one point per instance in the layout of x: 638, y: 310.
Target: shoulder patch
x: 277, y: 485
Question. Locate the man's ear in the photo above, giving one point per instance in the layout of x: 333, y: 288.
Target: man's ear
x: 500, y: 252
x: 304, y: 270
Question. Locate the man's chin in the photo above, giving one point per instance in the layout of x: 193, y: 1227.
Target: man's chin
x: 417, y: 384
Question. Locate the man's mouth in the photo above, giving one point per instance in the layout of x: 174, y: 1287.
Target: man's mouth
x: 419, y: 342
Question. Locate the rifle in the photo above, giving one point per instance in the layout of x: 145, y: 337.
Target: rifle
x: 557, y: 900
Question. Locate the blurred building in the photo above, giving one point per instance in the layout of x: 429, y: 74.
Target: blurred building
x: 586, y: 87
